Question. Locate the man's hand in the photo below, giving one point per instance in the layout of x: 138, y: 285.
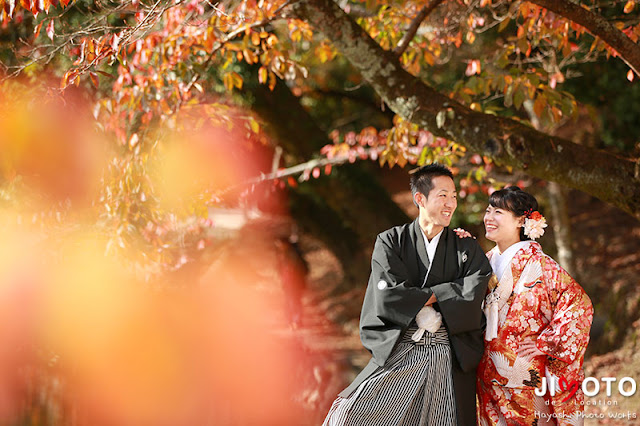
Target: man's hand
x: 431, y: 300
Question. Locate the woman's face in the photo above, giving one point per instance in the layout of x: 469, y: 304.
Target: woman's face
x: 502, y: 226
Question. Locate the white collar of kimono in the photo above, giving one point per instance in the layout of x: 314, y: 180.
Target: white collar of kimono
x: 500, y: 261
x: 431, y: 246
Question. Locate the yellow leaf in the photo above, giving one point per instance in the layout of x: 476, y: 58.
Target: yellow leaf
x: 262, y: 75
x: 255, y: 127
x: 296, y: 35
x: 236, y: 80
x: 228, y: 84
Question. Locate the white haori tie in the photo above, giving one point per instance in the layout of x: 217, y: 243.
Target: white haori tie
x: 428, y: 319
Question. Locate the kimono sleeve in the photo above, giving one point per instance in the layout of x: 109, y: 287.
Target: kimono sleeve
x: 391, y: 301
x: 460, y: 301
x: 567, y: 334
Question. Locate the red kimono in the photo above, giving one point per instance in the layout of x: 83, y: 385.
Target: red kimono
x: 537, y: 300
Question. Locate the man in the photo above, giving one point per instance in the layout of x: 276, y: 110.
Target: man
x: 424, y: 263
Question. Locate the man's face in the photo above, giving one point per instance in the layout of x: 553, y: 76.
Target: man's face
x: 438, y: 207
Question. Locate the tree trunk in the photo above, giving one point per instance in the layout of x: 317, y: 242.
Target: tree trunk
x: 561, y: 227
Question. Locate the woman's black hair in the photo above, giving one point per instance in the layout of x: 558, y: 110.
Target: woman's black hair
x: 515, y: 200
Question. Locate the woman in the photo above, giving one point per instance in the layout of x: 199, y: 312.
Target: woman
x: 538, y: 322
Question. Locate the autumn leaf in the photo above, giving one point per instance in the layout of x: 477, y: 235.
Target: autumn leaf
x: 263, y: 74
x: 539, y: 105
x: 134, y: 140
x: 255, y: 39
x: 473, y: 67
x: 255, y: 127
x: 629, y: 6
x: 94, y: 79
x: 9, y: 7
x: 630, y: 75
x: 50, y: 29
x: 36, y: 31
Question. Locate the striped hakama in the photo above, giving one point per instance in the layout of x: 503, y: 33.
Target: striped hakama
x: 414, y: 387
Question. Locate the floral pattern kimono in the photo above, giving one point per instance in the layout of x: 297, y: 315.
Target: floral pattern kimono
x: 535, y: 300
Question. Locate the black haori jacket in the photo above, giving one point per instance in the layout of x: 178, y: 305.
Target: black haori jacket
x: 397, y: 291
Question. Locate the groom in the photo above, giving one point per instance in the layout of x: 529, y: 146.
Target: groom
x: 413, y: 266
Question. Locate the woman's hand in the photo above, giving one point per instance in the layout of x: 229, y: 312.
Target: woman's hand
x: 462, y: 233
x: 529, y: 350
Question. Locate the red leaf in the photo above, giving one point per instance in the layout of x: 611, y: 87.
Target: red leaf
x: 50, y: 29
x: 9, y: 7
x: 327, y: 169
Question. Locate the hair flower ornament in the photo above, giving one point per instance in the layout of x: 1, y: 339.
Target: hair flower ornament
x: 534, y: 225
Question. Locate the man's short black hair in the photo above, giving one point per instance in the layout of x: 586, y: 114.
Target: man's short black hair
x: 422, y: 178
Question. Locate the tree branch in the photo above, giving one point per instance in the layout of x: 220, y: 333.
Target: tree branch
x: 505, y: 141
x: 628, y: 51
x: 415, y: 24
x: 304, y: 169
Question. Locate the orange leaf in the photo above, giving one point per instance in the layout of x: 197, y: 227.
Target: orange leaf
x: 629, y: 6
x: 94, y: 79
x: 630, y: 75
x: 36, y: 31
x: 68, y: 76
x: 255, y: 39
x: 471, y: 37
x: 272, y: 81
x: 539, y: 105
